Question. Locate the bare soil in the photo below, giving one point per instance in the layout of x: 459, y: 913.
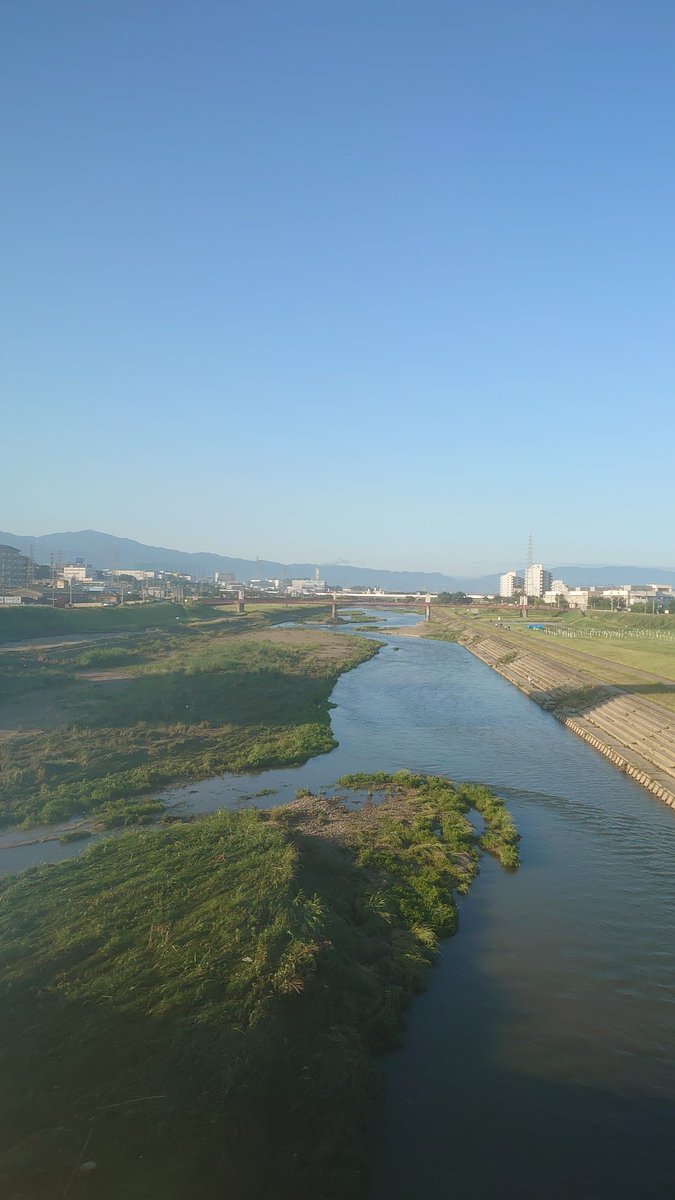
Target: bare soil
x: 326, y: 646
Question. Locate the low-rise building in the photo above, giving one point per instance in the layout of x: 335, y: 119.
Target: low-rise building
x: 557, y: 590
x: 77, y: 573
x: 308, y: 587
x: 578, y: 597
x: 134, y: 573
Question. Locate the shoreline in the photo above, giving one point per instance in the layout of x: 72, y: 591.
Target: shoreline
x: 344, y: 912
x: 634, y: 734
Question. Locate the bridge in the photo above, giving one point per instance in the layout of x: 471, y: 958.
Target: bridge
x: 335, y: 599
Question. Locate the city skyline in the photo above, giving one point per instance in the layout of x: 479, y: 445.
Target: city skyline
x: 55, y: 549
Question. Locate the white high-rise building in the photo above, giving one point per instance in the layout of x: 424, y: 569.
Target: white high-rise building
x: 537, y: 580
x: 509, y: 583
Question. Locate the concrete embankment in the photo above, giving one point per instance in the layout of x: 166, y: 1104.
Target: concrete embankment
x: 636, y: 735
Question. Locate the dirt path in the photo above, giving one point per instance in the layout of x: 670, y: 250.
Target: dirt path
x: 52, y: 643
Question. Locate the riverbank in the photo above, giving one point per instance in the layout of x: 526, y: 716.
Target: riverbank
x: 633, y: 733
x: 202, y: 1001
x: 95, y: 730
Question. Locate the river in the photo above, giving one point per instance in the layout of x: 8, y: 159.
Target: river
x: 540, y: 1062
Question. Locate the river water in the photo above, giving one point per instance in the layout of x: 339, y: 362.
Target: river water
x: 540, y: 1062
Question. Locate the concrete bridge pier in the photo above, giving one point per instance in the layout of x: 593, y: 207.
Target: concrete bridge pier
x: 427, y: 609
x: 333, y: 610
x: 240, y: 603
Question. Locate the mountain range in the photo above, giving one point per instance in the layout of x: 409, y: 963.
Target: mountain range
x: 101, y: 550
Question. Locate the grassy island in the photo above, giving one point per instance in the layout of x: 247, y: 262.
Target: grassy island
x: 192, y: 1010
x: 87, y: 728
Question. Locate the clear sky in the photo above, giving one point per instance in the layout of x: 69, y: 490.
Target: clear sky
x: 389, y: 282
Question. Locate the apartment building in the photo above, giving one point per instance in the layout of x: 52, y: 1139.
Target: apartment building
x: 509, y: 583
x: 13, y: 567
x: 537, y: 580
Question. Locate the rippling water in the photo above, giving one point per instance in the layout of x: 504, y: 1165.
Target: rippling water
x: 541, y: 1060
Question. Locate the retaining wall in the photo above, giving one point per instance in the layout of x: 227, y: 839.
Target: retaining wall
x: 546, y: 682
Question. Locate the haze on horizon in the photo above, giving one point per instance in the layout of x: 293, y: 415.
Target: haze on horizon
x: 389, y: 284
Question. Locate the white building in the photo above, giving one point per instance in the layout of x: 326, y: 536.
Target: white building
x: 557, y: 588
x: 76, y: 573
x: 141, y: 576
x: 307, y: 587
x: 627, y: 594
x: 509, y: 583
x: 537, y: 580
x: 578, y: 597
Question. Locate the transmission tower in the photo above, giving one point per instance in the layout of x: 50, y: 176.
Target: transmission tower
x: 30, y: 569
x: 529, y: 564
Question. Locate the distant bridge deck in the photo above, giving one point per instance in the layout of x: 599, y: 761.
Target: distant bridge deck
x: 324, y: 600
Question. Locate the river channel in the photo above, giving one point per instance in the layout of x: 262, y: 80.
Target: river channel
x: 540, y: 1062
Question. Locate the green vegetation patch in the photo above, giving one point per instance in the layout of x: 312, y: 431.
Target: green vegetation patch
x: 578, y: 700
x: 34, y: 621
x: 21, y: 674
x: 193, y: 1008
x: 506, y: 659
x: 197, y: 706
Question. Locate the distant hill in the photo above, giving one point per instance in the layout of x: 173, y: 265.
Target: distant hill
x: 99, y: 549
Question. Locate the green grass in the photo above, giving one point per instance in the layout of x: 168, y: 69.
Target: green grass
x: 39, y: 621
x: 195, y: 1007
x: 446, y: 623
x: 651, y: 655
x: 606, y: 619
x: 629, y: 665
x: 626, y: 662
x: 194, y: 704
x: 24, y: 673
x: 578, y: 700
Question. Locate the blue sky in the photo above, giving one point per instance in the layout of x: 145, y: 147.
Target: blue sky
x: 384, y: 282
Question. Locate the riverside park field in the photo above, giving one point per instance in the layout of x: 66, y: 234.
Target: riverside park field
x: 633, y: 652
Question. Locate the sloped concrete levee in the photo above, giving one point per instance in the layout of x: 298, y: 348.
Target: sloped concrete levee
x: 635, y: 734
